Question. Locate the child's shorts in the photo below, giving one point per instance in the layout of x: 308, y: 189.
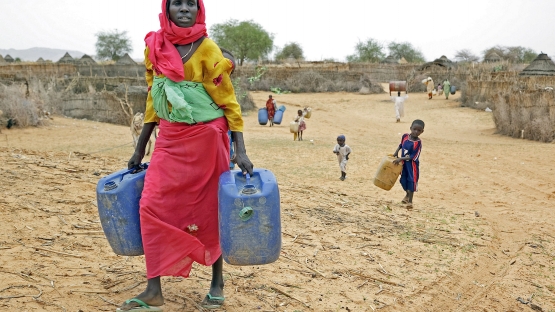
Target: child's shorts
x: 409, y: 177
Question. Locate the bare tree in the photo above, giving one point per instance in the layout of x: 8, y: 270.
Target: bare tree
x: 466, y: 55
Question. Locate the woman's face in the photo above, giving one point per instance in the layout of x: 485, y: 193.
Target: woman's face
x: 183, y: 13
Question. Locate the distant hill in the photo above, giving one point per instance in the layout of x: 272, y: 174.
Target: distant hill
x: 34, y: 54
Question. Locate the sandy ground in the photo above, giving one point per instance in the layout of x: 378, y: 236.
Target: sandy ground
x: 480, y: 237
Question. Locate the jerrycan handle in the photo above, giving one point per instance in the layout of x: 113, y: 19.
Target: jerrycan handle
x: 135, y: 169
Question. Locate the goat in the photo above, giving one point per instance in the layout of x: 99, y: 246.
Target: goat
x: 136, y: 127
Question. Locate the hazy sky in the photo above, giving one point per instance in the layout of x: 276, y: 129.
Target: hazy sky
x: 324, y: 28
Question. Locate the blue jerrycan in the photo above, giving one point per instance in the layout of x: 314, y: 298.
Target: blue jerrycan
x: 249, y: 217
x: 118, y: 198
x: 278, y: 117
x: 453, y: 90
x: 282, y: 108
x: 263, y: 116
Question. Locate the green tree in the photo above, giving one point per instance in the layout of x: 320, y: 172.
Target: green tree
x: 247, y: 39
x: 466, y: 55
x: 290, y: 50
x: 112, y: 45
x: 406, y: 50
x: 369, y: 51
x: 529, y: 55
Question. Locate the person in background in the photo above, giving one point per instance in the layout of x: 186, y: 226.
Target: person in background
x: 446, y: 88
x: 191, y: 96
x: 399, y: 105
x: 410, y: 148
x: 430, y: 87
x: 271, y: 108
x: 439, y: 89
x: 302, y: 124
x: 342, y: 151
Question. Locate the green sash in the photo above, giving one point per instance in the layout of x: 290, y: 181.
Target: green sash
x: 190, y: 101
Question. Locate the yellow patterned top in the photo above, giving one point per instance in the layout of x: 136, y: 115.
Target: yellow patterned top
x: 209, y: 67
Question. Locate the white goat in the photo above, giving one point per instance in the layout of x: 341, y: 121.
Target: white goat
x: 136, y: 127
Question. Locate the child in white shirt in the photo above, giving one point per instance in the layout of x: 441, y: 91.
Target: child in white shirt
x: 342, y: 151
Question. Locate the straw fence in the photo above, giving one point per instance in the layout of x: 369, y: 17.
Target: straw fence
x: 523, y: 107
x: 526, y: 114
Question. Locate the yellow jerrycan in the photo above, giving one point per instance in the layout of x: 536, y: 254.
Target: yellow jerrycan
x: 387, y: 173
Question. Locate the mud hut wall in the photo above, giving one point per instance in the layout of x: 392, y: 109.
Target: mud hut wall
x: 22, y: 71
x: 103, y: 106
x: 106, y: 99
x: 35, y: 70
x: 95, y: 92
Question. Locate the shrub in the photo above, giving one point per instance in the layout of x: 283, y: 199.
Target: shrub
x: 22, y: 110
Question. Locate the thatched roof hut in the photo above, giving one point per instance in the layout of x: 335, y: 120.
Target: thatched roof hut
x: 126, y: 60
x: 443, y: 61
x: 541, y: 66
x: 390, y: 60
x: 40, y: 60
x: 66, y: 59
x: 8, y: 59
x: 2, y: 59
x: 403, y: 61
x: 492, y: 57
x: 86, y: 60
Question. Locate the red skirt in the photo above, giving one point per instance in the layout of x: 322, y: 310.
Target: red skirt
x: 271, y: 110
x: 179, y: 203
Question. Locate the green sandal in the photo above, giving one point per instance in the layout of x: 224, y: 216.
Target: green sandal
x: 212, y: 302
x: 142, y: 306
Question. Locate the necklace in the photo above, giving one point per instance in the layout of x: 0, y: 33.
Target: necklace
x: 190, y: 49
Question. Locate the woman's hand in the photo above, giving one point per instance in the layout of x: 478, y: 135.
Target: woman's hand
x: 139, y: 154
x: 244, y: 163
x: 241, y: 158
x: 135, y: 160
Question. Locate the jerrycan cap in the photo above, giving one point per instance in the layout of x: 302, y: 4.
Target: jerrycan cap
x: 110, y: 186
x: 249, y: 188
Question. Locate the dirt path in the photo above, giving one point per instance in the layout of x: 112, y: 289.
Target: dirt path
x: 346, y: 245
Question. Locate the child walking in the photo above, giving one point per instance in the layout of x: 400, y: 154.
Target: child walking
x: 399, y: 105
x: 342, y: 151
x: 302, y: 125
x: 410, y: 148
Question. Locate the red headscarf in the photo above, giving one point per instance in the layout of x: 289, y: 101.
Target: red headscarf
x: 164, y: 56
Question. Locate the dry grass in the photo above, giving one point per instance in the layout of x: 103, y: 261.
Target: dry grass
x: 20, y: 108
